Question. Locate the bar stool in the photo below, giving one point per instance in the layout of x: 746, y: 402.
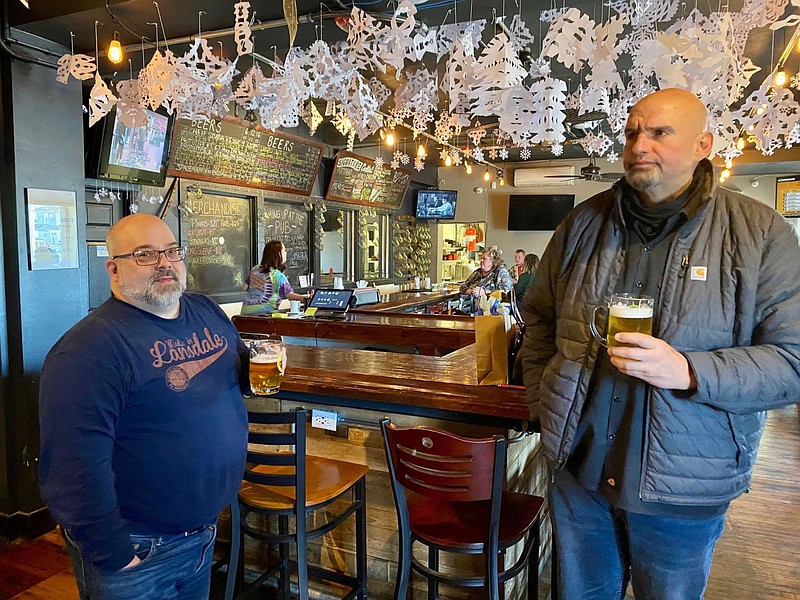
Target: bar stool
x: 282, y: 484
x: 449, y: 496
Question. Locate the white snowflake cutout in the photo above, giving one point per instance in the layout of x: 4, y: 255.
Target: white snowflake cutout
x: 521, y: 37
x: 557, y: 149
x: 130, y: 107
x: 570, y: 40
x: 477, y: 133
x: 311, y: 117
x: 362, y: 39
x: 503, y: 153
x: 101, y: 100
x: 249, y: 87
x: 612, y: 157
x: 377, y: 164
x: 419, y: 163
x: 393, y: 46
x: 524, y: 153
x: 241, y: 28
x: 80, y: 66
x: 477, y: 153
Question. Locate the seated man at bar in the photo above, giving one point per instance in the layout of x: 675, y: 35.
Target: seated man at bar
x: 143, y: 425
x: 266, y: 285
x: 490, y: 276
x: 651, y: 434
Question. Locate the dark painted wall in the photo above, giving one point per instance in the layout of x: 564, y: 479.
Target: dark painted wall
x: 43, y: 148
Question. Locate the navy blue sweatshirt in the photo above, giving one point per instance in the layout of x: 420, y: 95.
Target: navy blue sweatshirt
x: 143, y: 425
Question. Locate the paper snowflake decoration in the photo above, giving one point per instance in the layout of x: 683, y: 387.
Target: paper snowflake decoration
x: 241, y: 29
x: 492, y: 153
x: 130, y: 106
x: 598, y: 144
x: 342, y: 123
x: 570, y: 40
x: 524, y: 153
x: 101, y: 100
x: 419, y: 163
x: 456, y: 157
x: 503, y: 153
x: 377, y: 164
x: 395, y: 164
x: 404, y: 158
x: 311, y: 117
x: 476, y: 134
x: 557, y: 149
x: 80, y: 66
x: 477, y: 153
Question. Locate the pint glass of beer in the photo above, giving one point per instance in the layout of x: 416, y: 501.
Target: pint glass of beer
x: 267, y: 363
x: 626, y: 314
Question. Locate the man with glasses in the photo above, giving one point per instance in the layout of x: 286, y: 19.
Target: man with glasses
x: 143, y: 426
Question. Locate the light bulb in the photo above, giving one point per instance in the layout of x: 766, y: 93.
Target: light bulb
x: 468, y: 167
x: 390, y: 138
x: 448, y: 161
x: 780, y: 78
x: 486, y: 175
x: 740, y: 143
x: 421, y: 150
x: 725, y: 173
x: 114, y: 53
x: 728, y: 163
x: 501, y: 181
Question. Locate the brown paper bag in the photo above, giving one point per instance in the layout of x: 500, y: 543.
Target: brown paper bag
x: 493, y: 336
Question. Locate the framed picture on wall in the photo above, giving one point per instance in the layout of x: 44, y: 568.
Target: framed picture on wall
x: 52, y: 229
x: 787, y: 195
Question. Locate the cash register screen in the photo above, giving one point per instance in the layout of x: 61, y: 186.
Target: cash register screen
x: 331, y: 299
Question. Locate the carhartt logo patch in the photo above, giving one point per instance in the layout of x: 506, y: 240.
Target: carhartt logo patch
x: 699, y: 273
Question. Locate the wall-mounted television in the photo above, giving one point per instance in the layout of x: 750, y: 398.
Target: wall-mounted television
x: 538, y: 212
x: 436, y: 204
x: 135, y: 154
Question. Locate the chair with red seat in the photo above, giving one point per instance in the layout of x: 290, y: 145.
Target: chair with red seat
x: 449, y: 497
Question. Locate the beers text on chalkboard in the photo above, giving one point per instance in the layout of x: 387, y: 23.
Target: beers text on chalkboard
x: 236, y: 152
x: 356, y: 179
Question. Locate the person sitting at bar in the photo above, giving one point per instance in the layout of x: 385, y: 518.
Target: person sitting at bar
x: 526, y: 276
x: 266, y: 285
x: 519, y: 261
x: 490, y: 276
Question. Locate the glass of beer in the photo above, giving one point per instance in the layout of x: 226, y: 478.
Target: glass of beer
x: 627, y: 313
x: 267, y: 364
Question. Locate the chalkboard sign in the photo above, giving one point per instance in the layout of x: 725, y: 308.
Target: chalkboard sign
x: 290, y: 224
x: 218, y: 238
x: 357, y: 180
x: 239, y: 153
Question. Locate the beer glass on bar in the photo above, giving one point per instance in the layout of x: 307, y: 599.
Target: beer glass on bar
x: 627, y: 313
x: 267, y: 364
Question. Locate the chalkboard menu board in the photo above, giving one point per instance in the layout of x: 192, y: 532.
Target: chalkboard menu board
x: 218, y: 237
x: 356, y: 179
x: 239, y: 153
x: 290, y: 224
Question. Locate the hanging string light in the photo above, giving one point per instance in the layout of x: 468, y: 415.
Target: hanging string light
x: 486, y: 175
x: 114, y: 52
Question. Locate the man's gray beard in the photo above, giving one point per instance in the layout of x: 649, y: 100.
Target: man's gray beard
x: 642, y: 182
x: 162, y: 296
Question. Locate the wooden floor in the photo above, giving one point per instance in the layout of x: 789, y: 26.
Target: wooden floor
x: 757, y: 558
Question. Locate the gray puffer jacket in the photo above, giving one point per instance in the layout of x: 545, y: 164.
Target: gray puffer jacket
x: 730, y: 302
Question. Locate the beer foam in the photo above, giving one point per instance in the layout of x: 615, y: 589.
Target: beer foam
x: 631, y: 312
x: 263, y: 360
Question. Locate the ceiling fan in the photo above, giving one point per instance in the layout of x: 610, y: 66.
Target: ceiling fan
x: 591, y: 172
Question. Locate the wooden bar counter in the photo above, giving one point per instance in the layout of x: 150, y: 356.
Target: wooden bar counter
x: 429, y: 334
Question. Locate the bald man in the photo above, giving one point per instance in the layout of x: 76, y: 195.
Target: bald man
x: 649, y: 440
x: 143, y: 425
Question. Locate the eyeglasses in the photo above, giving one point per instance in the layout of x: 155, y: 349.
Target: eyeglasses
x: 146, y: 258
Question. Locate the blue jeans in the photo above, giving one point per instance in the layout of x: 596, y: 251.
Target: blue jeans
x: 600, y: 548
x: 172, y: 567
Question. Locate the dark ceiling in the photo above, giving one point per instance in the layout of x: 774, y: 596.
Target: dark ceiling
x: 55, y: 19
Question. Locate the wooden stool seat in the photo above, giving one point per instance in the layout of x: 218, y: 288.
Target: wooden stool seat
x: 290, y: 485
x: 331, y: 478
x: 448, y: 491
x: 466, y: 524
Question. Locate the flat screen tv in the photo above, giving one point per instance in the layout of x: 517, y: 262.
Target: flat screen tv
x: 135, y: 154
x: 436, y: 204
x: 538, y: 213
